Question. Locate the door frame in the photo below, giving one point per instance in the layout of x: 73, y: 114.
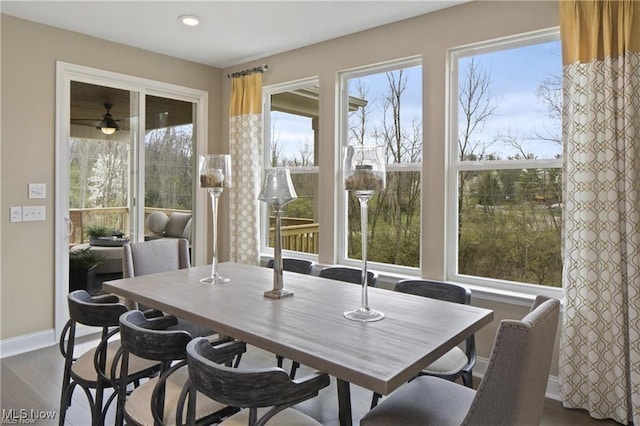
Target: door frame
x: 65, y: 74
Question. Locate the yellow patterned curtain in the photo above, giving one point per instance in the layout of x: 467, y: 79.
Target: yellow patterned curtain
x: 600, y: 340
x: 245, y: 146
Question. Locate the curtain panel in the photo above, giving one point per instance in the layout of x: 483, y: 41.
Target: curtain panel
x: 245, y: 147
x: 600, y: 339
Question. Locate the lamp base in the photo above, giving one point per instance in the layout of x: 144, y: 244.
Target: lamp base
x: 278, y: 294
x: 215, y: 279
x: 364, y: 315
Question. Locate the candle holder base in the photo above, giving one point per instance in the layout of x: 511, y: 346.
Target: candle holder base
x: 364, y: 315
x: 278, y: 294
x: 215, y: 279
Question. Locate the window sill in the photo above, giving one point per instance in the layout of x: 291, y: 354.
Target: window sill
x: 512, y: 296
x: 500, y: 295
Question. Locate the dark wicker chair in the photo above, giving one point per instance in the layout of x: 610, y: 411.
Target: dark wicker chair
x: 158, y: 401
x: 270, y: 389
x: 350, y: 275
x: 455, y: 363
x: 300, y: 266
x: 89, y: 370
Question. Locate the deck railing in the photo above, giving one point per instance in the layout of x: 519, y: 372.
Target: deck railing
x: 298, y: 234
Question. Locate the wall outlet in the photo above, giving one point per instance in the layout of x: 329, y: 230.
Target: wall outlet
x: 33, y: 213
x: 16, y: 214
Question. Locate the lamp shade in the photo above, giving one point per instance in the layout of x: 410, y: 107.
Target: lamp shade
x: 108, y: 125
x: 277, y: 188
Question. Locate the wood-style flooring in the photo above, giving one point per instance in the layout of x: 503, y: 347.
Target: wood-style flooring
x: 32, y: 381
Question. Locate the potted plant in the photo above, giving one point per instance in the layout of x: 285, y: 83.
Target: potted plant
x: 104, y: 236
x: 83, y: 265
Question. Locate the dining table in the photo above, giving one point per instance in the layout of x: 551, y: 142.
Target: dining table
x: 309, y: 327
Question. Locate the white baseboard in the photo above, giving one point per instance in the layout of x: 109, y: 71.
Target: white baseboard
x: 26, y: 343
x: 34, y: 341
x: 553, y: 385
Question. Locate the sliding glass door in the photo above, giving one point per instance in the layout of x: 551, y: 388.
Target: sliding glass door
x: 125, y: 149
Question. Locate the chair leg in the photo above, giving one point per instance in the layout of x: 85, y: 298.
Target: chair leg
x: 280, y: 360
x: 65, y: 402
x: 375, y: 399
x: 294, y: 367
x: 96, y: 416
x: 467, y: 379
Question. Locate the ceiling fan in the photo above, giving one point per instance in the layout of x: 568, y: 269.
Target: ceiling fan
x: 108, y: 125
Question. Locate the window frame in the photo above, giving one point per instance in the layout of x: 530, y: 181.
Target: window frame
x: 267, y: 92
x: 455, y: 166
x: 341, y: 141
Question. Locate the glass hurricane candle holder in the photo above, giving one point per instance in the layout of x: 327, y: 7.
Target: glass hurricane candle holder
x: 277, y: 190
x: 364, y: 173
x: 215, y: 175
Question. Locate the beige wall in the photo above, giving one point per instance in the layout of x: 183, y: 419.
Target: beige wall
x: 29, y: 55
x: 429, y: 36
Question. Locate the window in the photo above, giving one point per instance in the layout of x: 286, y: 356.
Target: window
x: 291, y: 140
x: 383, y: 106
x: 103, y: 167
x: 506, y: 162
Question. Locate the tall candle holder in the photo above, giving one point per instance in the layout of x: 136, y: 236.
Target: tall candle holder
x: 215, y: 175
x: 364, y: 173
x: 277, y: 191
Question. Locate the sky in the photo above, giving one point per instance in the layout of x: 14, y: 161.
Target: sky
x: 515, y: 75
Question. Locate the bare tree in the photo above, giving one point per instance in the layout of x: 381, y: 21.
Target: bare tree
x: 395, y: 141
x: 304, y: 157
x: 476, y: 107
x: 549, y: 91
x: 82, y: 154
x: 275, y: 146
x: 358, y: 119
x: 513, y: 140
x: 168, y: 171
x: 108, y: 184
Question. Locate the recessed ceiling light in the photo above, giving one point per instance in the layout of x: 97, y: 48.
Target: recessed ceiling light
x: 189, y: 20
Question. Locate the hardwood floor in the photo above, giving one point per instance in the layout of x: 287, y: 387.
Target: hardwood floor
x: 32, y: 381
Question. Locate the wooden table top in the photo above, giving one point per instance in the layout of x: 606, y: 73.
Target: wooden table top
x: 310, y: 327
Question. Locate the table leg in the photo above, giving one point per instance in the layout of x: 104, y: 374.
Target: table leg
x: 344, y: 403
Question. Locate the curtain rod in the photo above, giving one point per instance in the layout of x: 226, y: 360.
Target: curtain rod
x: 261, y: 68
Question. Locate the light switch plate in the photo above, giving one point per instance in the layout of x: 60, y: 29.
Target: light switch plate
x: 33, y: 213
x: 37, y: 190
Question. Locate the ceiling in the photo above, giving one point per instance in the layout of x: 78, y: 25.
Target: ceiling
x: 230, y: 32
x: 87, y: 107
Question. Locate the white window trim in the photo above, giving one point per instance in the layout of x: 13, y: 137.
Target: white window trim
x: 267, y: 91
x: 343, y: 123
x: 488, y: 286
x: 67, y: 72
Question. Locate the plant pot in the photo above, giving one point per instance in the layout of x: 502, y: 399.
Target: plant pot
x: 83, y: 279
x: 108, y: 241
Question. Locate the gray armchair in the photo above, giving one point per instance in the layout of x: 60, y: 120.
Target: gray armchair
x: 176, y: 225
x: 510, y: 393
x: 153, y: 257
